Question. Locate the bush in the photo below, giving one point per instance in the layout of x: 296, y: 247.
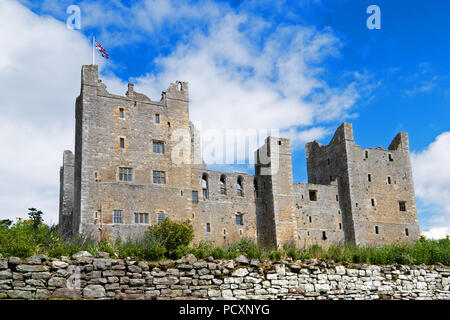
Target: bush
x: 171, y: 235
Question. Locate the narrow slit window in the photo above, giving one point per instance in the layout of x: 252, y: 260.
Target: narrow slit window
x: 240, y: 187
x: 373, y: 202
x: 376, y: 230
x: 389, y: 180
x: 157, y: 120
x: 324, y: 235
x: 122, y: 143
x: 121, y: 113
x: 208, y: 227
x: 369, y: 177
x: 366, y: 154
x: 407, y: 232
x: 390, y: 157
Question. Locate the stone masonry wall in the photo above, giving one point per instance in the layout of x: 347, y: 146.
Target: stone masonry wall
x: 88, y: 277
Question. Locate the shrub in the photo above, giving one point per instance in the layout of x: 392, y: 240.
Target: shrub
x: 276, y: 255
x: 171, y: 234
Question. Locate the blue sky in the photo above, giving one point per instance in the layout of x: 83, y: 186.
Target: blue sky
x: 302, y: 67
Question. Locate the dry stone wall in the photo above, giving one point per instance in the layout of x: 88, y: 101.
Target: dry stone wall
x: 87, y: 277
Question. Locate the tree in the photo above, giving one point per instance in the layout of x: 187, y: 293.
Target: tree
x: 36, y: 217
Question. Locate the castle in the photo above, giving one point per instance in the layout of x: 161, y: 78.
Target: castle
x: 123, y: 178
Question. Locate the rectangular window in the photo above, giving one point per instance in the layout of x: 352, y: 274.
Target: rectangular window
x: 157, y: 118
x: 310, y: 219
x: 402, y: 205
x: 376, y: 230
x: 324, y: 235
x: 239, y: 220
x: 121, y: 113
x: 194, y: 196
x: 141, y: 218
x: 158, y: 147
x: 159, y: 177
x: 340, y: 226
x: 312, y: 195
x: 337, y: 198
x: 136, y: 218
x: 161, y: 217
x: 389, y: 180
x: 373, y: 202
x: 369, y: 177
x: 117, y: 216
x: 367, y: 154
x: 122, y: 143
x: 208, y: 227
x: 390, y: 157
x: 205, y: 193
x: 125, y: 174
x: 406, y: 232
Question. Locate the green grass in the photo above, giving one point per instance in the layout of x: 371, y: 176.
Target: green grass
x: 23, y: 239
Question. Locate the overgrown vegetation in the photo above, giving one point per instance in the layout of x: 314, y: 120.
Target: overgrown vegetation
x: 171, y: 240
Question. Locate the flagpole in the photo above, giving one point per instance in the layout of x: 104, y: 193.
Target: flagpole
x: 93, y: 50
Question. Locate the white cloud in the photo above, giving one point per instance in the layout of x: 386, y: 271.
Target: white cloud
x: 237, y: 83
x: 431, y: 173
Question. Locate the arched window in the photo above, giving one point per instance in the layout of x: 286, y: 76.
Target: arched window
x: 205, y: 186
x: 223, y: 184
x: 240, y: 186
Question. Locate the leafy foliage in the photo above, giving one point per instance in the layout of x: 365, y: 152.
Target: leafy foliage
x: 172, y: 240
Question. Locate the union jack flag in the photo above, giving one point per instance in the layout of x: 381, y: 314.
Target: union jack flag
x: 100, y: 48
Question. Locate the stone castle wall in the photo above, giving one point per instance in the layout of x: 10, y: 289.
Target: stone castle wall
x: 88, y: 277
x: 114, y: 132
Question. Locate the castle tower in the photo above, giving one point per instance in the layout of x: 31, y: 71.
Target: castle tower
x: 375, y: 185
x: 132, y: 158
x: 277, y: 222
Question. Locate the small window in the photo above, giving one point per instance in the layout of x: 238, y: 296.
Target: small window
x: 389, y: 180
x: 121, y: 113
x: 208, y: 227
x: 239, y: 220
x: 117, y: 216
x: 141, y: 218
x: 310, y: 219
x: 406, y: 232
x: 224, y: 231
x: 376, y: 230
x: 324, y: 235
x: 240, y: 232
x: 339, y: 211
x: 161, y: 217
x: 157, y: 120
x: 194, y: 196
x: 331, y: 178
x: 402, y: 205
x: 373, y: 202
x: 337, y: 198
x: 312, y: 195
x: 125, y: 174
x: 390, y: 157
x: 159, y: 177
x: 158, y: 147
x: 367, y: 154
x: 328, y: 161
x: 369, y: 177
x: 340, y: 226
x: 122, y: 143
x: 279, y: 142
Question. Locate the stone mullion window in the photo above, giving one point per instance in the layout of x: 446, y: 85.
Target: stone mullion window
x: 159, y: 177
x: 125, y: 174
